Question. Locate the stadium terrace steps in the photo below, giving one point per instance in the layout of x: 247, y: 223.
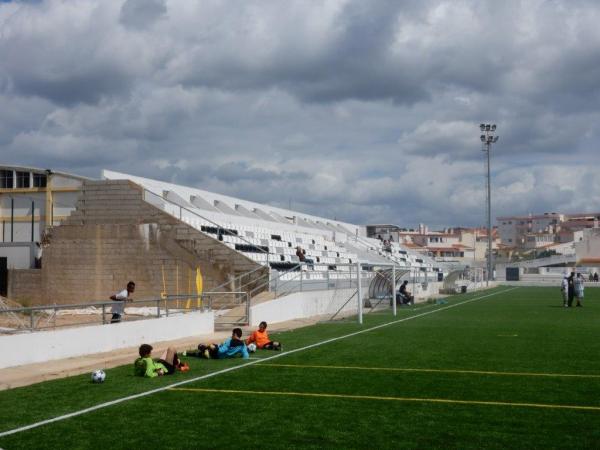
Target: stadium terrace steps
x: 156, y: 233
x: 248, y: 228
x: 114, y: 236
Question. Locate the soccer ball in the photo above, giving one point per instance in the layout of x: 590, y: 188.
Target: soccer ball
x: 98, y: 376
x: 252, y: 347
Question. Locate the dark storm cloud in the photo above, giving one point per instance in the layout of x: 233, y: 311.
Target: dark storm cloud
x: 142, y: 13
x: 358, y: 64
x: 68, y: 55
x: 364, y: 111
x: 353, y: 64
x: 90, y: 86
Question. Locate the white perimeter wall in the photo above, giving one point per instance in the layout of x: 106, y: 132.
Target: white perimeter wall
x: 302, y: 305
x: 45, y: 346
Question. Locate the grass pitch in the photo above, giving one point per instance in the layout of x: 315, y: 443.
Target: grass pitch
x: 511, y: 370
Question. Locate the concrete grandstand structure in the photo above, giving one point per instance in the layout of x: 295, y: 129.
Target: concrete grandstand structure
x: 160, y: 234
x: 270, y: 235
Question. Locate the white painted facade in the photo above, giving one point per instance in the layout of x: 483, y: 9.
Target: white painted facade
x: 45, y: 346
x: 303, y: 305
x: 512, y: 229
x: 589, y: 246
x: 32, y: 200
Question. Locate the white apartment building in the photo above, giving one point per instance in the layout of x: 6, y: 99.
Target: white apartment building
x: 512, y: 230
x: 31, y: 201
x: 533, y: 231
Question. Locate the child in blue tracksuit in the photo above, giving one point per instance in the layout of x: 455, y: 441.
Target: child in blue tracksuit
x: 231, y: 348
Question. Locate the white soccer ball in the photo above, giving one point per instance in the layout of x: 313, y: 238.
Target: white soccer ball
x: 98, y: 376
x: 252, y: 347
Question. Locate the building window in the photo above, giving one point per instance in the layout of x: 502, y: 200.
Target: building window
x: 22, y: 179
x: 39, y: 180
x: 510, y: 240
x: 6, y: 179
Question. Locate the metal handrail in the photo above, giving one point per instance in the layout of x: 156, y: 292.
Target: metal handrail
x: 161, y: 308
x: 233, y: 280
x: 298, y: 276
x: 204, y: 218
x: 27, y: 309
x: 268, y: 282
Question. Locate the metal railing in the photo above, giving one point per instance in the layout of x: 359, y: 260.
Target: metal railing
x: 178, y: 213
x: 342, y: 277
x: 37, y: 318
x: 301, y: 278
x: 224, y: 305
x: 237, y: 279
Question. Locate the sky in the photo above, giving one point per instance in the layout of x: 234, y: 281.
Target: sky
x: 363, y: 111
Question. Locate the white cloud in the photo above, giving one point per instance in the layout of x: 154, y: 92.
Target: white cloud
x: 367, y: 111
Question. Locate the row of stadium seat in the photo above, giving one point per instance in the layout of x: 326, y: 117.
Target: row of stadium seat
x: 270, y: 237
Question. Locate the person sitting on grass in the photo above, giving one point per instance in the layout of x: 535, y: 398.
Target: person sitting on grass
x: 231, y: 348
x: 167, y: 364
x: 261, y: 338
x: 404, y: 295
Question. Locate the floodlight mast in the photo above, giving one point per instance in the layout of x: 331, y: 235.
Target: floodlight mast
x: 488, y: 138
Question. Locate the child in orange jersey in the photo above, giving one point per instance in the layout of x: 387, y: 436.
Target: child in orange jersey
x: 261, y: 338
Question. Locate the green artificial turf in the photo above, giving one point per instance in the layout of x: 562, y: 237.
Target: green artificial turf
x: 487, y: 350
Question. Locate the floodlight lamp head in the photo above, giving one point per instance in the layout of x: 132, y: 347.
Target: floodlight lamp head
x: 482, y: 137
x: 482, y: 127
x: 496, y: 139
x: 494, y: 127
x: 487, y: 127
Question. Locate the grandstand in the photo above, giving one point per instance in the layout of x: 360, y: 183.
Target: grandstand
x: 270, y: 235
x: 229, y: 228
x: 106, y: 225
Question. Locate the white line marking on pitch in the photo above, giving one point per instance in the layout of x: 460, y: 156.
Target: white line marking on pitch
x: 230, y: 369
x: 396, y: 399
x: 452, y: 371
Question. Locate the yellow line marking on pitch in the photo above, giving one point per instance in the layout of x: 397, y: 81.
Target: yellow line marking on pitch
x: 400, y: 369
x: 394, y: 399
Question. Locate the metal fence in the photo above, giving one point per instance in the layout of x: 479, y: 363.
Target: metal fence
x: 230, y: 306
x: 37, y: 318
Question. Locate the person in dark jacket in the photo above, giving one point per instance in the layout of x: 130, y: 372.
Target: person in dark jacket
x: 571, y: 289
x: 404, y: 296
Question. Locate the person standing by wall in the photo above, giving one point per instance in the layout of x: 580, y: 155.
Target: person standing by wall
x: 579, y: 289
x: 37, y: 262
x: 564, y: 289
x: 122, y: 296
